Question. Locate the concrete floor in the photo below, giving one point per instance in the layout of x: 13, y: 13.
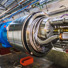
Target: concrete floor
x: 12, y: 61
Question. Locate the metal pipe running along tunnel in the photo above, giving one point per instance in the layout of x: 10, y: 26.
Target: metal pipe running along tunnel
x: 32, y: 33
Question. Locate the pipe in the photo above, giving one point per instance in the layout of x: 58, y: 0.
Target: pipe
x: 11, y: 8
x: 16, y: 8
x: 64, y: 15
x: 57, y: 12
x: 20, y: 10
x: 48, y: 40
x: 17, y: 5
x: 59, y: 21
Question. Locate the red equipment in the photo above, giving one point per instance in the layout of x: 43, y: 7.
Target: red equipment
x: 26, y: 61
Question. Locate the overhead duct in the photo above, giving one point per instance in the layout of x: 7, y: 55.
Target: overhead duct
x: 17, y: 7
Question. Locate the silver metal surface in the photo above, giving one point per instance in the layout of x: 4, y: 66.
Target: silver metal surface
x: 57, y: 21
x: 65, y: 36
x: 30, y: 32
x: 14, y: 33
x: 21, y: 34
x: 48, y: 40
x: 36, y: 33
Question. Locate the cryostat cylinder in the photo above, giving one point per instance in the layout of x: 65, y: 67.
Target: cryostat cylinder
x: 22, y: 32
x: 14, y: 33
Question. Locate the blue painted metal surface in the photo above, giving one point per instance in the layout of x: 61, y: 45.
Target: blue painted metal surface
x: 3, y: 34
